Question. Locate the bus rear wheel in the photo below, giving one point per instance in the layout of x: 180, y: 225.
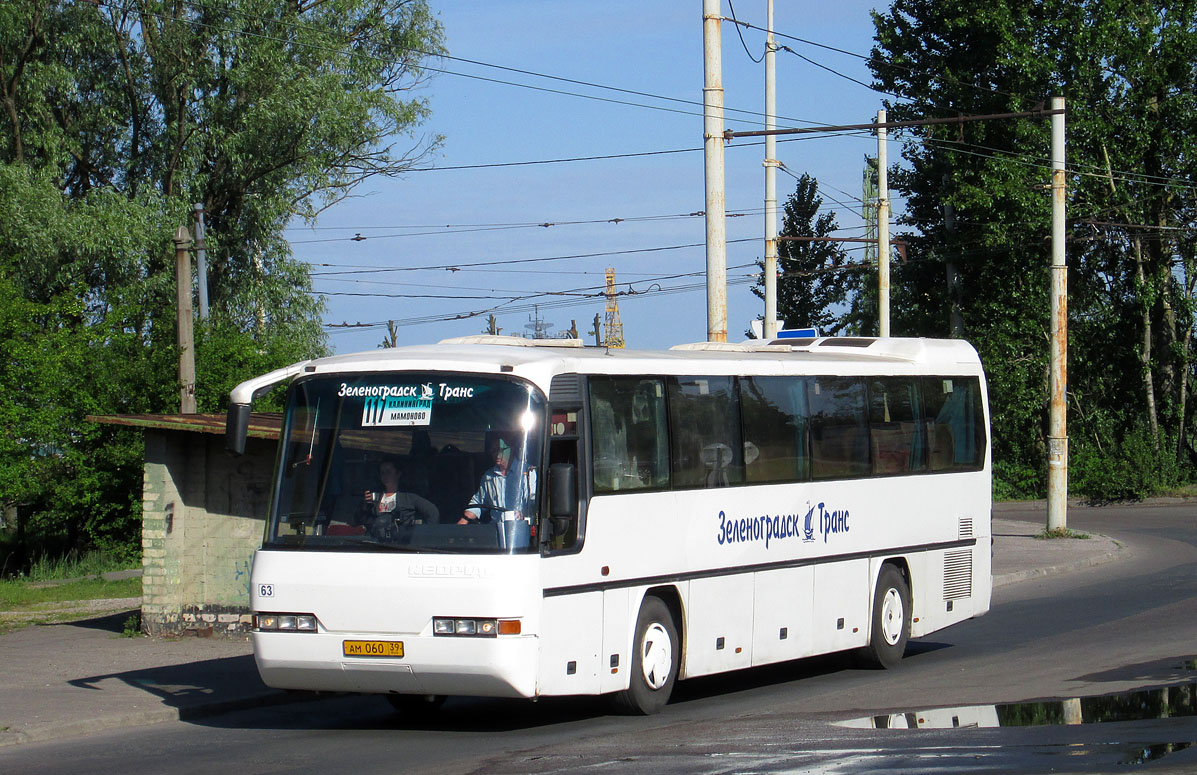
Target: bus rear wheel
x: 655, y: 657
x: 891, y: 618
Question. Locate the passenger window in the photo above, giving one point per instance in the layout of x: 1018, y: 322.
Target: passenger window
x: 630, y: 442
x: 955, y: 423
x: 839, y: 438
x: 895, y: 432
x: 705, y: 422
x: 774, y: 421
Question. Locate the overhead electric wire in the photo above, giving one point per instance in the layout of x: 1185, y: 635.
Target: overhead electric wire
x: 845, y: 76
x: 741, y: 34
x: 529, y: 260
x: 867, y: 58
x: 471, y: 228
x: 754, y: 114
x: 529, y: 307
x: 1121, y: 176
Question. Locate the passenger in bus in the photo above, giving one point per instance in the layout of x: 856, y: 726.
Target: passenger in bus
x: 505, y: 491
x: 383, y: 509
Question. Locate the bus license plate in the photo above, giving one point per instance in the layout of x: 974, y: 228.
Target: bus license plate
x: 372, y: 648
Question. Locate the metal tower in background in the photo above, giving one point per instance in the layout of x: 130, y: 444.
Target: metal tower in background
x: 614, y: 328
x: 869, y: 210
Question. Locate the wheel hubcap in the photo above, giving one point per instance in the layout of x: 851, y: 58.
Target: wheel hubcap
x: 892, y: 616
x: 656, y: 656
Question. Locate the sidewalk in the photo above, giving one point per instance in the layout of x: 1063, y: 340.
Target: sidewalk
x: 76, y: 678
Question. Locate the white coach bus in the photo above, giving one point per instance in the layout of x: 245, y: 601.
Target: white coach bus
x: 503, y: 517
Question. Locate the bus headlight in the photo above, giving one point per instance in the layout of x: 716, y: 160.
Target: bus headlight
x: 475, y: 628
x: 285, y: 622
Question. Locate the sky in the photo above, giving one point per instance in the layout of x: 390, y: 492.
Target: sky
x: 478, y: 230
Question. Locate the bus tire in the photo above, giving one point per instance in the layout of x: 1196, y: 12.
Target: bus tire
x: 891, y: 618
x: 654, y: 663
x: 416, y: 704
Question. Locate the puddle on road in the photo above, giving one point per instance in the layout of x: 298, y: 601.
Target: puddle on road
x: 1160, y: 703
x: 1149, y: 753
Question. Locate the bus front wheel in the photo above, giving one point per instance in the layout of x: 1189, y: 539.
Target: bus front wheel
x: 891, y: 618
x: 655, y: 658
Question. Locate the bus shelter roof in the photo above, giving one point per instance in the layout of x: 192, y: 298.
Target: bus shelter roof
x: 262, y: 425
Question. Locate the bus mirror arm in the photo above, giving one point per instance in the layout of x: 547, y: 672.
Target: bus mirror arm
x: 241, y: 398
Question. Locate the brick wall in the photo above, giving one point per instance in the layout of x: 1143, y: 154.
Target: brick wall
x: 203, y: 515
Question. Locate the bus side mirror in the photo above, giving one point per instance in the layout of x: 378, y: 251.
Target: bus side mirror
x: 236, y: 428
x: 563, y: 491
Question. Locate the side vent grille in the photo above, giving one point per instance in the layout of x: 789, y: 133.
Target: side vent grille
x: 966, y: 527
x: 957, y: 574
x: 566, y: 390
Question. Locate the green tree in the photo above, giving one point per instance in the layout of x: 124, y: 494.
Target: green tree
x: 118, y: 116
x: 978, y: 209
x: 812, y: 282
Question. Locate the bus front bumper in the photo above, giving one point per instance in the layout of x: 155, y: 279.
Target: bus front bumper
x: 503, y: 666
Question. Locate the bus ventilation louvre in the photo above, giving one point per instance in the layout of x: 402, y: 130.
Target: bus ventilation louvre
x: 958, y: 567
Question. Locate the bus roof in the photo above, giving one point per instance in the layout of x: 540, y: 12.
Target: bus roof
x: 539, y: 360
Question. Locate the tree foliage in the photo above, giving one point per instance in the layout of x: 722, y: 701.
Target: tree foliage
x: 810, y: 284
x: 118, y: 116
x: 978, y: 211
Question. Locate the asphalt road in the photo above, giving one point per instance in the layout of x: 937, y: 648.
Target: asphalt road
x: 1108, y: 630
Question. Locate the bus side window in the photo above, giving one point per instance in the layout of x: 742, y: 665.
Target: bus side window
x: 955, y: 423
x: 774, y: 423
x: 839, y: 439
x: 648, y: 439
x: 704, y: 416
x: 629, y: 438
x: 895, y: 430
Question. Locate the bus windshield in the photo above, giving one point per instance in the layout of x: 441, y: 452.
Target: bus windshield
x: 409, y: 462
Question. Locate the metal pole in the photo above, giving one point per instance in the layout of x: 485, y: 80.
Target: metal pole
x: 186, y: 340
x: 201, y: 261
x: 770, y: 322
x: 712, y: 98
x: 1057, y: 460
x: 882, y: 230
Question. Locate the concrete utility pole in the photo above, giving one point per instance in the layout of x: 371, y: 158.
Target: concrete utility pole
x: 1057, y: 458
x: 716, y: 206
x: 882, y: 230
x: 201, y: 261
x: 770, y: 322
x: 186, y: 337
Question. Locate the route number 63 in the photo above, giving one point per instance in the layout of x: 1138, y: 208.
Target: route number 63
x: 265, y: 590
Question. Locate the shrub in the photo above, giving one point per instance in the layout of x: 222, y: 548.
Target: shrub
x: 1130, y: 468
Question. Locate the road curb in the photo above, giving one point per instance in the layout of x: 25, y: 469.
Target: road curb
x: 65, y: 729
x: 1118, y: 553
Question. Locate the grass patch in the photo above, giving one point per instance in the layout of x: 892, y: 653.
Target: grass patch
x: 18, y: 595
x: 75, y: 565
x: 1180, y: 491
x: 1060, y: 532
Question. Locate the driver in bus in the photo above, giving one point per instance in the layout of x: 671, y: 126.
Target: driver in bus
x: 388, y: 507
x: 499, y: 496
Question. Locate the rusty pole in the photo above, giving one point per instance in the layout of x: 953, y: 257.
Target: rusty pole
x: 186, y: 335
x: 712, y: 98
x: 1057, y: 459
